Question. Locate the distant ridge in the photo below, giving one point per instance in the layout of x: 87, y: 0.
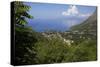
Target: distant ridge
x: 89, y: 25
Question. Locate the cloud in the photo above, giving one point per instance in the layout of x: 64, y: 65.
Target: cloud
x: 73, y: 11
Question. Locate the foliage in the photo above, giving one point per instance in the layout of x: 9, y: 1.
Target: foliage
x: 50, y: 51
x: 85, y: 51
x: 55, y: 51
x: 24, y: 36
x: 21, y: 13
x: 32, y: 47
x: 24, y: 45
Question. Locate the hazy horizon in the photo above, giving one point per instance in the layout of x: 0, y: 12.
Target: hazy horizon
x: 58, y: 17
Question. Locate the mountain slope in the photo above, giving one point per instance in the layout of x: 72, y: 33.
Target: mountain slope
x: 89, y: 25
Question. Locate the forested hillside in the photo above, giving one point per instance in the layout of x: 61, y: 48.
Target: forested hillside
x: 33, y: 47
x: 89, y: 25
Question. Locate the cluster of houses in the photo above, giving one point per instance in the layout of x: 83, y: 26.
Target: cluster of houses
x: 51, y: 35
x: 68, y: 37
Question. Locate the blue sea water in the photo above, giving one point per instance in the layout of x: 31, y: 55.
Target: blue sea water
x: 41, y: 25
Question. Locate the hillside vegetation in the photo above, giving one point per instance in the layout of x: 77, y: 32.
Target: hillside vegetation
x: 33, y: 47
x: 89, y: 25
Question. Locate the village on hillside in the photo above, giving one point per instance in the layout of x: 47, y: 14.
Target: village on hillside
x: 70, y: 37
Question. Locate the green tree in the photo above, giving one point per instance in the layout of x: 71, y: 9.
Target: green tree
x: 21, y: 13
x: 24, y: 36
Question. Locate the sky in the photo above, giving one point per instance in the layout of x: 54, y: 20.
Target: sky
x: 58, y: 17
